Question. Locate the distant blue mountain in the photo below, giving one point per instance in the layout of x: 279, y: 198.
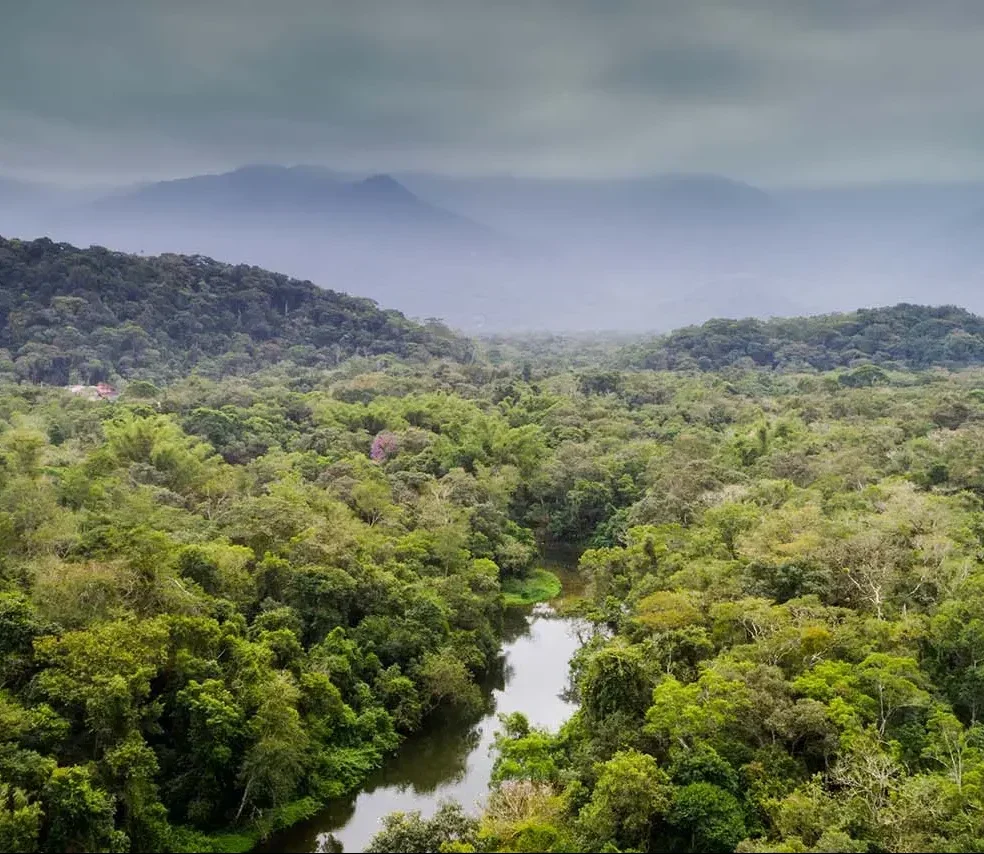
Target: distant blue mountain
x: 499, y: 253
x: 259, y: 192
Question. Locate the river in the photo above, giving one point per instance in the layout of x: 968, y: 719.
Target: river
x: 453, y: 757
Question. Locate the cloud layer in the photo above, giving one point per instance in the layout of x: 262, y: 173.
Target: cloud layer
x: 773, y: 91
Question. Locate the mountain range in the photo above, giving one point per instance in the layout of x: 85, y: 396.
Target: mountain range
x: 267, y: 192
x: 85, y: 316
x: 510, y: 254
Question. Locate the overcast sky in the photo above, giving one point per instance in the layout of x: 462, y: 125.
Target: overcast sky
x: 778, y: 92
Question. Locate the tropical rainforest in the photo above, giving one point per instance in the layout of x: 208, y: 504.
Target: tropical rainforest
x: 228, y: 595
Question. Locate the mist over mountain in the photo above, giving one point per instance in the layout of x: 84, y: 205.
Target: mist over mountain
x: 265, y: 193
x: 515, y: 254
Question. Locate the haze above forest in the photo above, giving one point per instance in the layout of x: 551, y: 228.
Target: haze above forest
x: 656, y: 151
x: 511, y: 254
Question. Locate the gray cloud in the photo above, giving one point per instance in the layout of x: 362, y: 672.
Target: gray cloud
x: 774, y: 91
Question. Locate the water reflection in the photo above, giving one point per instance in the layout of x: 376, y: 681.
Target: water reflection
x: 453, y: 759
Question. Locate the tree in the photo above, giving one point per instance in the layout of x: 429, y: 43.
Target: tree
x: 614, y: 681
x: 599, y: 382
x: 20, y: 820
x: 214, y: 732
x: 276, y: 760
x: 102, y: 677
x: 895, y: 683
x: 19, y: 626
x: 524, y: 815
x: 75, y: 313
x: 446, y: 679
x: 399, y: 695
x: 628, y: 804
x: 950, y: 746
x: 864, y: 376
x: 709, y: 817
x: 132, y: 767
x: 79, y: 816
x: 411, y: 833
x: 525, y: 753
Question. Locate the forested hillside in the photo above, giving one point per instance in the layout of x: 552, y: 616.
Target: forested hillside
x: 908, y: 336
x: 229, y: 594
x: 786, y: 580
x: 222, y: 605
x: 70, y: 315
x: 225, y: 601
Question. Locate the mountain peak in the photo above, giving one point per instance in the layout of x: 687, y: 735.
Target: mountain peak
x: 711, y: 190
x: 382, y: 186
x: 257, y: 169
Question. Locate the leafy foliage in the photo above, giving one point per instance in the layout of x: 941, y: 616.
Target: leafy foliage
x: 904, y: 335
x: 204, y: 630
x: 787, y: 608
x: 225, y: 597
x: 541, y: 585
x: 71, y: 315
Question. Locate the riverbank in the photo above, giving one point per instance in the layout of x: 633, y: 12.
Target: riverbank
x: 453, y: 758
x: 541, y: 585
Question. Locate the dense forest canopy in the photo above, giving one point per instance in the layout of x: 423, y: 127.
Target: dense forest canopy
x: 908, y: 336
x: 227, y: 595
x: 70, y: 315
x: 785, y: 573
x: 224, y: 603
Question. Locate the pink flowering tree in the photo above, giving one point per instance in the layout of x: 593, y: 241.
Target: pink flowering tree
x: 383, y: 446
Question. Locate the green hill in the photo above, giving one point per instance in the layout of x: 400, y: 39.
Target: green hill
x: 85, y: 315
x: 904, y: 335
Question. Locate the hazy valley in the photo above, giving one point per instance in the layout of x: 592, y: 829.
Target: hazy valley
x: 490, y: 255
